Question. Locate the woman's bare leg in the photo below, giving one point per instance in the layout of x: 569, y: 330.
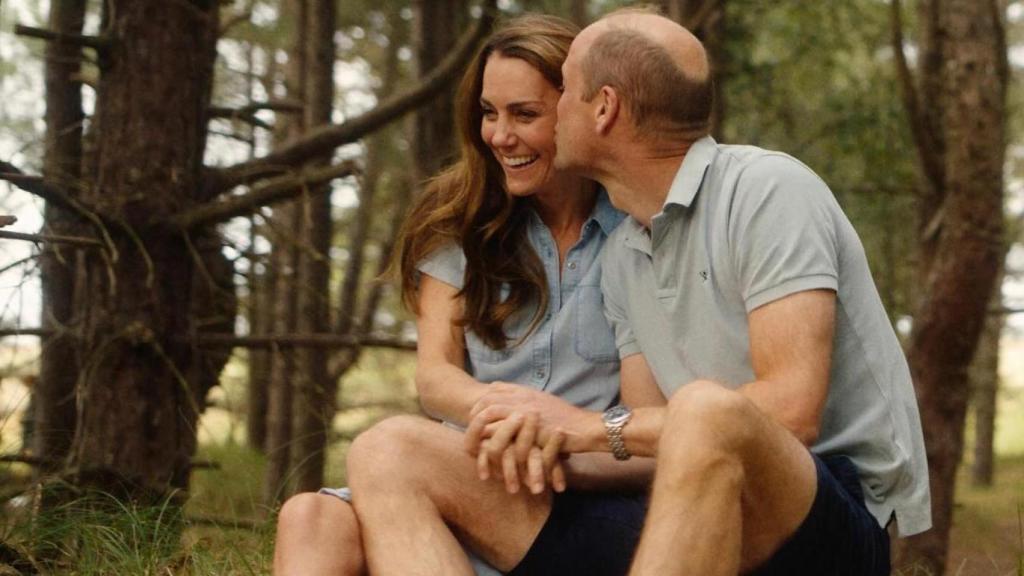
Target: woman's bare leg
x: 318, y: 534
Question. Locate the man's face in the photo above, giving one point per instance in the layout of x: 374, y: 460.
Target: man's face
x: 571, y: 132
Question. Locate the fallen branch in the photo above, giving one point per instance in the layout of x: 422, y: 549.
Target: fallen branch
x: 276, y: 190
x: 324, y: 140
x: 98, y: 43
x: 300, y: 341
x: 40, y: 332
x: 52, y: 239
x: 229, y: 523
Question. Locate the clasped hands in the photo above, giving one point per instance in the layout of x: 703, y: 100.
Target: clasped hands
x: 524, y: 435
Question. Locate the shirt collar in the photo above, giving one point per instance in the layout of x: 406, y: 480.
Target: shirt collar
x: 606, y: 216
x: 691, y: 173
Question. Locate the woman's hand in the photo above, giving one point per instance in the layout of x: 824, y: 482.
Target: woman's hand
x: 524, y: 433
x: 511, y: 446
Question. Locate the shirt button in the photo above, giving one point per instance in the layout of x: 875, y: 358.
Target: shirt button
x: 539, y: 374
x: 572, y: 265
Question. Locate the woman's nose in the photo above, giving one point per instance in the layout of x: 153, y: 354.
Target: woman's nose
x: 503, y: 134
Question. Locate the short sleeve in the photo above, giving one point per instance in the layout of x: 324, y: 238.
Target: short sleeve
x: 615, y: 300
x: 782, y: 231
x: 447, y: 264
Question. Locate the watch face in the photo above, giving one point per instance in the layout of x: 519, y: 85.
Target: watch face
x: 617, y: 414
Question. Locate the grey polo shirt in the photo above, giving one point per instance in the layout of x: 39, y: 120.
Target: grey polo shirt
x: 741, y: 227
x: 572, y: 352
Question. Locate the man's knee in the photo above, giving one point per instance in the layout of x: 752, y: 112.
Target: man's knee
x: 709, y: 414
x: 387, y: 449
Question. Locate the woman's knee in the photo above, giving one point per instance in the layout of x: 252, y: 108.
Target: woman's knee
x: 385, y: 449
x: 310, y: 511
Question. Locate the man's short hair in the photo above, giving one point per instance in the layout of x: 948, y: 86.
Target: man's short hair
x: 663, y: 100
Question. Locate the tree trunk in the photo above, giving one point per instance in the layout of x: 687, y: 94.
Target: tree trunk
x: 261, y: 306
x: 138, y: 411
x: 285, y: 260
x: 315, y: 397
x: 984, y: 375
x: 577, y: 11
x: 963, y: 250
x: 53, y: 397
x: 706, y: 19
x: 434, y: 143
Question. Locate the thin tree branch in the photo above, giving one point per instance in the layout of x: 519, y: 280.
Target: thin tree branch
x: 290, y: 106
x: 919, y: 129
x: 322, y: 141
x: 273, y: 191
x: 98, y: 43
x: 7, y: 220
x: 40, y: 332
x: 52, y: 238
x: 300, y: 341
x: 37, y: 186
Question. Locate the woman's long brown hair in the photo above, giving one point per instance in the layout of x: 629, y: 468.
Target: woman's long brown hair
x: 467, y: 203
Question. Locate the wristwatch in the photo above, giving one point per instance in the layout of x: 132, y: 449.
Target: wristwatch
x: 615, y: 419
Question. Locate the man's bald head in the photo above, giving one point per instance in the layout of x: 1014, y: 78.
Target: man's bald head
x: 658, y: 68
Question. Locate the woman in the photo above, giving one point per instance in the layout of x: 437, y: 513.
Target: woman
x: 500, y: 261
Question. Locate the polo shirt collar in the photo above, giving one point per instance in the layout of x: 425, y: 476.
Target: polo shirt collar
x: 691, y: 173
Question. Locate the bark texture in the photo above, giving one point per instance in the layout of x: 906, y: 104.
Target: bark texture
x: 53, y: 398
x: 958, y: 117
x: 137, y: 421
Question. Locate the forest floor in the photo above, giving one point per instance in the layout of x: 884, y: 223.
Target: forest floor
x: 230, y: 532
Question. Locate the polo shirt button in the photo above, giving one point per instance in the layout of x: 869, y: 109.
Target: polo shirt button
x: 572, y: 265
x: 539, y: 374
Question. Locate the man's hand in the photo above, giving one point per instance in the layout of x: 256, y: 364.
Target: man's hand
x: 523, y: 433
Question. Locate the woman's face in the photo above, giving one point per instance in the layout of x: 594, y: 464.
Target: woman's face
x: 519, y: 115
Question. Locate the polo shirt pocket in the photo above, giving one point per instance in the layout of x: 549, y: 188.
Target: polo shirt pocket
x: 594, y: 337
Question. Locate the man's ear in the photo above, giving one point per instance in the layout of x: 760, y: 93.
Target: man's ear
x: 607, y: 111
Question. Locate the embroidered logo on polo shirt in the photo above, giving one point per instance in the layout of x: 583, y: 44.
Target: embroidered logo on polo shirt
x: 703, y: 275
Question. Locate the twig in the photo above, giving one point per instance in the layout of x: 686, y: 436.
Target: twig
x: 40, y: 332
x: 52, y: 238
x: 98, y: 43
x: 300, y: 341
x: 232, y: 523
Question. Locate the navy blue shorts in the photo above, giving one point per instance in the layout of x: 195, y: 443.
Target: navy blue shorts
x: 839, y: 537
x: 592, y: 533
x: 597, y: 533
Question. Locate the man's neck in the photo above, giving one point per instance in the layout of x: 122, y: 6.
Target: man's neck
x: 642, y: 178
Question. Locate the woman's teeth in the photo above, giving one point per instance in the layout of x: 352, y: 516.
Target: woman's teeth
x: 517, y: 161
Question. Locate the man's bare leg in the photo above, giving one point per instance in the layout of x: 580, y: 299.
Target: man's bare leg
x: 415, y: 489
x: 730, y: 488
x: 318, y: 534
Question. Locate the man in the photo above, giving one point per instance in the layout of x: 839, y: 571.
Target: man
x: 791, y: 437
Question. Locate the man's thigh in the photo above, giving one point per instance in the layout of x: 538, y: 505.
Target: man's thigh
x: 839, y: 536
x: 589, y: 533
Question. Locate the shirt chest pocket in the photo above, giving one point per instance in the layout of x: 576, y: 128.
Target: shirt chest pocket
x: 594, y: 339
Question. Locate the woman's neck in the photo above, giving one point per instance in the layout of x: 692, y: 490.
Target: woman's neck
x: 566, y: 210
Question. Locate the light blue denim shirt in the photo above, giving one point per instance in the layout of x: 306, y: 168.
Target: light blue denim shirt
x: 572, y: 352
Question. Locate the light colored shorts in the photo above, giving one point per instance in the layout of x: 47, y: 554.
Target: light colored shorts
x: 482, y: 568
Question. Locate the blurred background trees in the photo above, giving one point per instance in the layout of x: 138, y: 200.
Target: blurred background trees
x: 206, y: 184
